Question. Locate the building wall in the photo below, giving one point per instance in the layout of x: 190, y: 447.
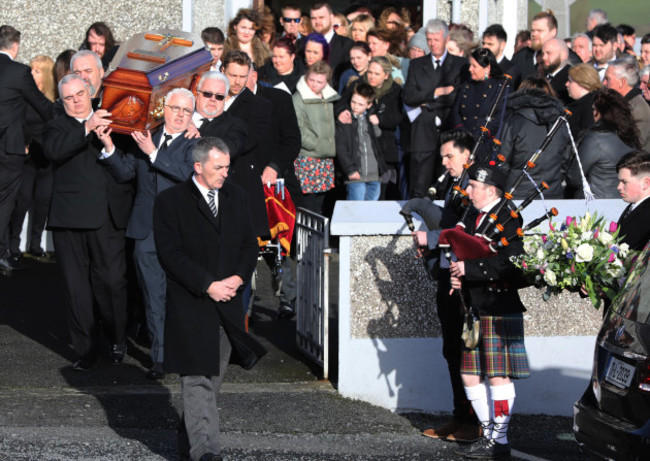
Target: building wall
x: 52, y: 27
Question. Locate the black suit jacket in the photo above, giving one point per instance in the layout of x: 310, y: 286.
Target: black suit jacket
x: 523, y: 66
x: 83, y: 189
x: 558, y: 82
x: 420, y: 84
x: 634, y: 227
x: 17, y: 91
x: 196, y: 249
x: 256, y: 112
x: 282, y: 139
x: 339, y: 56
x: 171, y: 166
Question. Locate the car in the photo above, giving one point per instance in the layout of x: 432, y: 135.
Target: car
x: 612, y: 419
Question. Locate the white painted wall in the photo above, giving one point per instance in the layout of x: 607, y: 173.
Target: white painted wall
x: 409, y: 374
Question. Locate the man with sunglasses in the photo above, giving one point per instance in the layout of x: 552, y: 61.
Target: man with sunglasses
x: 290, y: 22
x: 158, y: 162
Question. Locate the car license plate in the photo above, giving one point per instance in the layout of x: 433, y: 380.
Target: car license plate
x: 619, y: 373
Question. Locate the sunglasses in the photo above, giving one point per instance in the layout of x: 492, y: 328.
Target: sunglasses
x: 296, y: 20
x: 208, y: 95
x: 336, y: 26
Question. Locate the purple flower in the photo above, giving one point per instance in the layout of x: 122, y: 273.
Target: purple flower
x: 614, y: 248
x: 569, y: 255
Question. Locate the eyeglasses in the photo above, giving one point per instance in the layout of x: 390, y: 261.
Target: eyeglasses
x: 294, y: 20
x: 177, y: 109
x: 208, y: 95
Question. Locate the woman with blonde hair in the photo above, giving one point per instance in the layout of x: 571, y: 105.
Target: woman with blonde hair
x: 583, y: 81
x: 36, y: 188
x: 244, y: 34
x: 360, y: 26
x: 341, y: 25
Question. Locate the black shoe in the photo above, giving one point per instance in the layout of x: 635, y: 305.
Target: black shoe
x: 117, y: 353
x: 486, y: 449
x: 156, y: 371
x: 5, y: 265
x: 286, y: 311
x: 210, y: 457
x: 83, y: 365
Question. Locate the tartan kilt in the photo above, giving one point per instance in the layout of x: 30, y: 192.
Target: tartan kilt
x: 501, y: 350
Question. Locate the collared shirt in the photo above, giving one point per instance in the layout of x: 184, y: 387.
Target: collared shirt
x: 330, y: 35
x: 229, y: 101
x: 441, y: 59
x: 634, y: 205
x: 486, y: 209
x: 204, y: 192
x: 198, y: 119
x: 83, y: 120
x: 154, y: 154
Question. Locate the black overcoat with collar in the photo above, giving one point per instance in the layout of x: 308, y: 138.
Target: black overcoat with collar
x: 196, y: 249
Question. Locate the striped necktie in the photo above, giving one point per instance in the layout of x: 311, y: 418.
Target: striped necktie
x: 212, y: 203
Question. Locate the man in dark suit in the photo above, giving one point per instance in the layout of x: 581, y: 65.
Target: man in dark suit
x: 256, y: 112
x: 283, y: 145
x: 555, y: 66
x: 430, y: 89
x: 208, y: 249
x: 88, y: 215
x: 634, y: 186
x: 495, y: 39
x: 322, y: 18
x: 159, y: 162
x: 17, y: 91
x: 491, y: 283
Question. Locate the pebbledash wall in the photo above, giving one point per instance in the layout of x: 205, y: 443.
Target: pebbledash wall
x: 390, y: 347
x: 50, y: 27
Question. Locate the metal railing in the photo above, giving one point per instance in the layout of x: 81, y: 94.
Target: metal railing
x: 312, y: 300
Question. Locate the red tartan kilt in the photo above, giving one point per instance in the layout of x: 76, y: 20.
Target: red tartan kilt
x: 501, y: 350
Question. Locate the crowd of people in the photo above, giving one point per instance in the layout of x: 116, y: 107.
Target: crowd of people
x: 357, y: 106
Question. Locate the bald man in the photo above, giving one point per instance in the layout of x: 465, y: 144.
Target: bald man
x: 555, y: 65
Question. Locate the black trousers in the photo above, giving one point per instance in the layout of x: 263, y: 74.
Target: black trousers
x: 450, y: 313
x: 93, y: 265
x: 11, y: 176
x: 34, y: 194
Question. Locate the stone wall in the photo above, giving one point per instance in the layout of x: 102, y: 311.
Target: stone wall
x: 391, y: 296
x: 51, y: 27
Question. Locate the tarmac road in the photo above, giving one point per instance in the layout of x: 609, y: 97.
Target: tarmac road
x: 279, y: 411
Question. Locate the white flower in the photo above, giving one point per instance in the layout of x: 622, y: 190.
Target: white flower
x: 615, y: 268
x: 586, y: 236
x: 605, y: 238
x: 623, y: 250
x: 584, y: 222
x: 549, y: 277
x: 584, y: 253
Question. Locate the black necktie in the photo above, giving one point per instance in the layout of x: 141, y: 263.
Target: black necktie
x: 437, y: 66
x: 212, y: 203
x: 165, y: 143
x: 625, y: 214
x: 204, y: 120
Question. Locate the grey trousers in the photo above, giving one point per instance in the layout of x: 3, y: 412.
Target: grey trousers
x: 201, y: 405
x: 153, y: 283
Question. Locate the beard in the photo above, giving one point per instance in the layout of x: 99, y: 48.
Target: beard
x: 552, y: 67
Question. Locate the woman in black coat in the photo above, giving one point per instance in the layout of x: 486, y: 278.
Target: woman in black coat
x: 388, y: 108
x: 475, y: 99
x: 283, y: 68
x: 582, y: 83
x: 613, y: 135
x: 531, y: 111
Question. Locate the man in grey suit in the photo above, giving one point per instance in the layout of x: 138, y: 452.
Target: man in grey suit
x: 207, y: 246
x: 162, y: 160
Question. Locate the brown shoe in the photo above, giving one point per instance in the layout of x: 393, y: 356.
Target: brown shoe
x: 466, y: 433
x: 444, y: 431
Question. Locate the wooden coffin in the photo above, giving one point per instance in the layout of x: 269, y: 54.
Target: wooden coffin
x: 144, y: 70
